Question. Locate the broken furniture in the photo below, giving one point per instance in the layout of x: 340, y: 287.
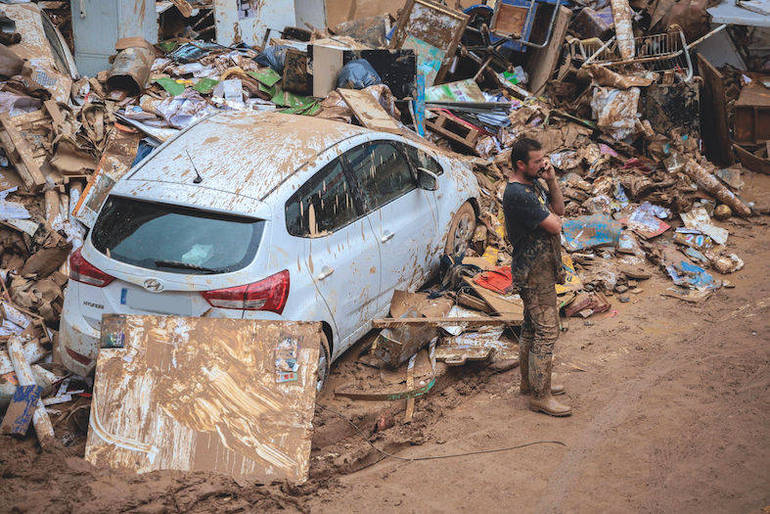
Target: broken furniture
x: 433, y: 31
x: 752, y: 115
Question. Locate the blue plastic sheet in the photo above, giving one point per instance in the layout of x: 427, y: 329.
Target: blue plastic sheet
x: 589, y: 231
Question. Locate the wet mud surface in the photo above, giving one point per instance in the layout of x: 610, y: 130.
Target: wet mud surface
x: 671, y: 413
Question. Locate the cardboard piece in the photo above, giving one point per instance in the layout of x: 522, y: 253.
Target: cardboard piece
x: 368, y: 110
x: 231, y: 396
x: 327, y: 63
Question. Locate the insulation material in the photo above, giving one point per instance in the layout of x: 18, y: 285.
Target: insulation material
x: 228, y: 396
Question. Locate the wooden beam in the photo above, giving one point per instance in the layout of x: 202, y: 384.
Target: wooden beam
x: 477, y: 321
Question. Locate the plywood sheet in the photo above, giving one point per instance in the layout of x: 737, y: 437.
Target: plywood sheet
x: 368, y: 111
x: 204, y: 394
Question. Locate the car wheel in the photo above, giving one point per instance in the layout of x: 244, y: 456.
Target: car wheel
x: 324, y: 363
x: 461, y: 230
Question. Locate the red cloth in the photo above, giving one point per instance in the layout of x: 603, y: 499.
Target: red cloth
x: 498, y: 280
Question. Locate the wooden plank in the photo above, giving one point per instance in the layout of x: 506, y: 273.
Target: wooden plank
x: 498, y: 302
x: 20, y: 154
x: 543, y: 61
x: 368, y: 111
x: 230, y: 396
x: 39, y: 416
x: 409, y: 412
x: 19, y: 414
x: 713, y: 123
x: 478, y: 321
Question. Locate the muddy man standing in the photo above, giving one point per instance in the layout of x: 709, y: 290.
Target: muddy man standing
x: 533, y: 223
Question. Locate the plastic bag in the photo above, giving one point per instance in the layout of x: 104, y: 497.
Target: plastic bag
x: 273, y: 56
x: 358, y: 74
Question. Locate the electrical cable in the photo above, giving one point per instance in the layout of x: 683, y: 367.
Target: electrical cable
x: 434, y: 457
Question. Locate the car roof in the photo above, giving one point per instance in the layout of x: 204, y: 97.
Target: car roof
x: 244, y: 153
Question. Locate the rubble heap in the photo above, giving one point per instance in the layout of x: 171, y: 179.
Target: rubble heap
x: 610, y: 91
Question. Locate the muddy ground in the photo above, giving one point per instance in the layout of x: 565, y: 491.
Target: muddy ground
x: 671, y: 414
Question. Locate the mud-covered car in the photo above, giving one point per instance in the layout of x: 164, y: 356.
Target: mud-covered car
x: 269, y: 216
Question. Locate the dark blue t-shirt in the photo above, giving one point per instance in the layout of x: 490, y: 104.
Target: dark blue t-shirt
x: 525, y: 206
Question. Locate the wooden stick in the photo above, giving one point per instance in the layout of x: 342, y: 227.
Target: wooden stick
x: 474, y: 321
x: 40, y: 419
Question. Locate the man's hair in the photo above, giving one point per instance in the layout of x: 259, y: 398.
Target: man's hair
x: 521, y: 148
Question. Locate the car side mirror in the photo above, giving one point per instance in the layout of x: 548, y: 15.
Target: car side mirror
x: 426, y: 179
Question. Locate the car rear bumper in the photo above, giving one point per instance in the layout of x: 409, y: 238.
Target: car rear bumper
x: 79, y: 341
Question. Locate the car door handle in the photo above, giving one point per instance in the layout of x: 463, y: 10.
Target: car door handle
x: 387, y: 236
x: 325, y: 272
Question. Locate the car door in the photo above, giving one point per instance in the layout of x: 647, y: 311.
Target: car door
x: 342, y: 258
x: 403, y: 216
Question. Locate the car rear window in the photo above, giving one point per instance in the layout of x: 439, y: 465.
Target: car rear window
x: 175, y: 239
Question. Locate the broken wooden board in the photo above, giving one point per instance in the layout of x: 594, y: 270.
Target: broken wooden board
x: 25, y: 157
x: 479, y: 321
x: 369, y: 111
x: 752, y: 115
x: 231, y: 396
x: 506, y: 308
x: 22, y: 407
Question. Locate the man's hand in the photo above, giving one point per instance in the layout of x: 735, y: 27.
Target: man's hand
x: 549, y: 174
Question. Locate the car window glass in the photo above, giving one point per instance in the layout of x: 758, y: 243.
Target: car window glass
x: 175, y: 239
x: 420, y: 159
x: 322, y: 205
x: 381, y: 172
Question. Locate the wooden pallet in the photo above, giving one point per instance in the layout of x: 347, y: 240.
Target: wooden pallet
x: 458, y: 132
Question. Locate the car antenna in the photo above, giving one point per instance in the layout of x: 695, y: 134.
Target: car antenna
x: 198, y: 179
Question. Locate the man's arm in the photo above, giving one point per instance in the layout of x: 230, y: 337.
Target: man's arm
x: 552, y: 224
x: 554, y: 191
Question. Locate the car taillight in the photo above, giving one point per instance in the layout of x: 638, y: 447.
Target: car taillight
x: 83, y: 271
x: 269, y: 294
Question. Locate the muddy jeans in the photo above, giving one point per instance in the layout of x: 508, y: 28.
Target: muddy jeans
x: 541, y: 316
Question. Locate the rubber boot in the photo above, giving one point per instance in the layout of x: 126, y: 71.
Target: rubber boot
x: 524, y: 388
x: 540, y: 378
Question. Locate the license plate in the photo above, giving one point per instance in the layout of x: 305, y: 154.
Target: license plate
x: 163, y: 303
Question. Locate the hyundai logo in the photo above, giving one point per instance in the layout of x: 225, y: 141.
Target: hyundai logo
x: 154, y: 285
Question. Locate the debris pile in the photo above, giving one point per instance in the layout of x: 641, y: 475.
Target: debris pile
x: 642, y: 129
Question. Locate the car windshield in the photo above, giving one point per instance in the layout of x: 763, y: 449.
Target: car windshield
x: 175, y: 239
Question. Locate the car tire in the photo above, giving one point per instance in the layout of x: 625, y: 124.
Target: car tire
x: 324, y: 363
x: 461, y: 230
